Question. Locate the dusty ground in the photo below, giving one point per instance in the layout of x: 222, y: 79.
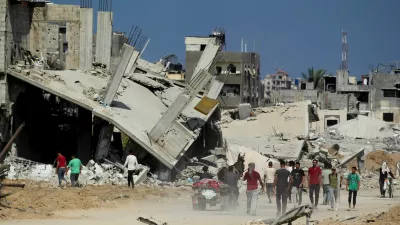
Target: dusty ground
x: 391, y: 217
x: 41, y: 200
x: 110, y: 205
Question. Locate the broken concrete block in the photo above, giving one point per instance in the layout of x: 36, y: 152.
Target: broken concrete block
x: 90, y: 164
x: 142, y: 176
x: 26, y: 72
x: 98, y: 170
x: 37, y: 78
x: 244, y: 111
x: 18, y: 69
x: 37, y: 72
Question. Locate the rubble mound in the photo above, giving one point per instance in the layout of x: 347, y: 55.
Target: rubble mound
x: 374, y: 160
x: 363, y: 127
x: 91, y: 174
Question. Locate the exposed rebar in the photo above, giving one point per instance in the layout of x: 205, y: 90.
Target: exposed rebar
x: 86, y: 4
x: 105, y: 5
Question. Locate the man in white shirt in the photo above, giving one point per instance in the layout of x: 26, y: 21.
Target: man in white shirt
x: 131, y: 162
x: 269, y: 178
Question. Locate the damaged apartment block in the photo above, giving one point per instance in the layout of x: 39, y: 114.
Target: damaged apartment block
x: 78, y: 102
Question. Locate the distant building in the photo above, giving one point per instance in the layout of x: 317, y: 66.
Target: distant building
x: 277, y: 81
x: 173, y: 69
x: 240, y: 72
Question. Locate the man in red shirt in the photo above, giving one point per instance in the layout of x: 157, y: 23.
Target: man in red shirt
x: 252, y: 177
x: 314, y: 182
x: 60, y: 169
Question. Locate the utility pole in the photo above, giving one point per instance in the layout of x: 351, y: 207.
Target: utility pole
x: 345, y: 52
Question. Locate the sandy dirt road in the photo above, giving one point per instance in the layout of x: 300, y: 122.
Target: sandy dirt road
x: 178, y: 211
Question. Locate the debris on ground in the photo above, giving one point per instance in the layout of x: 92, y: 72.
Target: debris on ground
x: 290, y: 216
x: 150, y: 221
x: 92, y: 173
x: 48, y: 199
x: 386, y: 218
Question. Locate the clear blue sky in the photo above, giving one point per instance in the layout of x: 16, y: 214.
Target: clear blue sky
x: 291, y: 34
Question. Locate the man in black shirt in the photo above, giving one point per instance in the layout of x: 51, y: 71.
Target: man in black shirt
x: 298, y: 177
x: 282, y: 180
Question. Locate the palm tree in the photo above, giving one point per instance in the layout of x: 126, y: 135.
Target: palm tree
x: 314, y: 76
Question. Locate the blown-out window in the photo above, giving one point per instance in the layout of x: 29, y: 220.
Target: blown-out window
x: 232, y: 68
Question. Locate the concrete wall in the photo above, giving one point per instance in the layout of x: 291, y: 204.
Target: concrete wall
x: 41, y: 38
x: 56, y: 13
x: 14, y: 31
x: 15, y: 23
x: 86, y: 39
x: 325, y: 115
x: 381, y: 104
x: 250, y: 87
x: 330, y: 100
x: 73, y: 39
x: 52, y: 38
x: 104, y: 38
x: 290, y: 95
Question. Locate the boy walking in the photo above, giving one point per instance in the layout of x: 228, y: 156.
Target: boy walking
x: 334, y: 192
x: 353, y: 185
x: 269, y: 178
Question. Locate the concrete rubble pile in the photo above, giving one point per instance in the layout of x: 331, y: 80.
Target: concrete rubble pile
x: 92, y: 173
x: 272, y: 131
x: 363, y: 131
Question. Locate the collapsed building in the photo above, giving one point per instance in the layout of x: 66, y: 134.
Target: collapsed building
x: 70, y: 97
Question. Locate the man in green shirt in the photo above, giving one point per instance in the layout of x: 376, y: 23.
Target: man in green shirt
x: 353, y: 185
x: 75, y: 166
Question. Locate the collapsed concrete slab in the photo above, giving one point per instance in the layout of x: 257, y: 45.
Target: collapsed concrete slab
x: 135, y: 110
x: 274, y: 131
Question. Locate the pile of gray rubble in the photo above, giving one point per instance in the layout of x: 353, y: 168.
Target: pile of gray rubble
x: 92, y: 174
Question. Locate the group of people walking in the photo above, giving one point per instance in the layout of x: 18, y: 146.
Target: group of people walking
x: 75, y: 165
x: 289, y: 183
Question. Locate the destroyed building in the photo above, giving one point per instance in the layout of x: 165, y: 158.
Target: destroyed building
x: 385, y: 95
x: 239, y: 71
x: 83, y: 107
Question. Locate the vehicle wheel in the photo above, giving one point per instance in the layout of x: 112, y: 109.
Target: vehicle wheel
x: 201, y: 205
